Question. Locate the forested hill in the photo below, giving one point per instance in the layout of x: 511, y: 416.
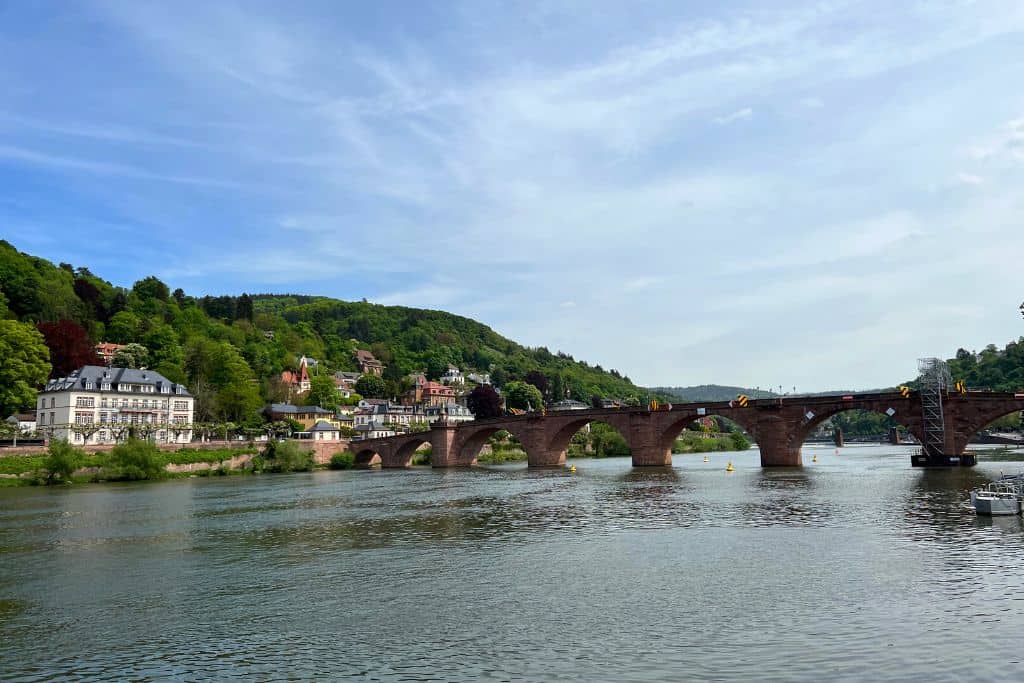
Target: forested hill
x: 991, y: 368
x: 229, y: 350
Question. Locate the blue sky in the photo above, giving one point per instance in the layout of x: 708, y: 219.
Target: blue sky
x: 805, y: 194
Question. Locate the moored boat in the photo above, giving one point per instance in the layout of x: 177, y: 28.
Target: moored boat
x: 1004, y: 496
x: 995, y: 503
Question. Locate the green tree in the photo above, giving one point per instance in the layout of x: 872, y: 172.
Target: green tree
x: 24, y: 365
x: 322, y: 392
x: 131, y: 356
x: 125, y: 327
x: 523, y: 396
x: 243, y: 309
x: 135, y: 460
x: 62, y: 459
x: 151, y: 287
x: 372, y: 386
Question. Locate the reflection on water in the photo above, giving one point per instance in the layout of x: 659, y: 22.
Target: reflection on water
x: 855, y: 567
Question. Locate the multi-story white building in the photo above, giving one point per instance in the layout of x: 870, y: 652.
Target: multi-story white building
x: 97, y: 405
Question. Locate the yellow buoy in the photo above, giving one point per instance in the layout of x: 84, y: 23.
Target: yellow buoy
x: 572, y: 468
x: 815, y: 458
x: 705, y: 458
x: 729, y: 467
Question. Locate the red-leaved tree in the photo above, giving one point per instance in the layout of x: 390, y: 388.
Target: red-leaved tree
x: 484, y: 402
x: 70, y: 347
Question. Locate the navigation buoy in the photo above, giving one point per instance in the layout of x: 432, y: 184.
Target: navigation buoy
x: 705, y: 458
x: 815, y: 458
x: 572, y: 468
x: 729, y: 467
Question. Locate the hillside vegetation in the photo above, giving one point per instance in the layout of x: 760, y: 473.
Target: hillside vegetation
x: 229, y: 350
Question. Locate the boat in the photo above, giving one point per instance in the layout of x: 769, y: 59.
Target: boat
x: 1000, y: 498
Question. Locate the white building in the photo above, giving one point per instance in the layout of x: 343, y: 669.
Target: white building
x: 96, y: 405
x: 479, y: 377
x: 325, y: 431
x: 25, y: 423
x: 452, y: 412
x: 569, y: 404
x: 452, y: 376
x: 373, y: 430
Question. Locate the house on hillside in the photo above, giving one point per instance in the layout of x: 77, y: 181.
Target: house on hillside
x: 453, y: 413
x: 307, y: 416
x: 368, y: 364
x: 298, y: 381
x: 479, y: 377
x: 452, y: 376
x: 107, y: 350
x: 373, y: 430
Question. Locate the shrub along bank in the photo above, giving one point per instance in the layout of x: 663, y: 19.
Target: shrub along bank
x: 144, y: 461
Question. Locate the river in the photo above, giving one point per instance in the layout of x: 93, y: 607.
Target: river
x: 855, y: 567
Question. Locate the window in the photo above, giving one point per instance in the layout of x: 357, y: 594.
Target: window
x: 179, y: 420
x: 103, y: 403
x: 146, y: 388
x: 181, y: 405
x: 106, y: 386
x: 88, y: 385
x: 83, y: 418
x: 124, y: 387
x: 135, y: 403
x: 145, y: 403
x: 104, y: 417
x: 165, y: 389
x: 85, y: 402
x: 53, y: 418
x: 52, y: 401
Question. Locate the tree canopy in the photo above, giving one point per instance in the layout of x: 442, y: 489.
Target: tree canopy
x: 523, y: 396
x: 24, y: 366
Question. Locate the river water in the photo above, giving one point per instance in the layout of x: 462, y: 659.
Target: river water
x: 855, y: 567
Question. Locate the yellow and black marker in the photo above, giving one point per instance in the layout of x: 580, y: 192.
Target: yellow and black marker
x: 960, y: 386
x: 904, y: 391
x: 742, y: 400
x: 654, y: 404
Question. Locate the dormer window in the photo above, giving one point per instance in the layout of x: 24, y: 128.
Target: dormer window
x: 165, y: 389
x: 88, y: 385
x: 106, y: 386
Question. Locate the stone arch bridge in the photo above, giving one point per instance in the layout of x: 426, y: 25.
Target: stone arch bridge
x: 779, y: 426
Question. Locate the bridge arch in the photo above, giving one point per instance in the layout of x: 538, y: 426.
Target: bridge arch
x: 803, y: 430
x: 969, y: 428
x: 467, y: 448
x: 667, y: 438
x: 368, y: 457
x: 558, y: 443
x: 404, y: 453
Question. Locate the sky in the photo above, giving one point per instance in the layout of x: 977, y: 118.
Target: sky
x: 805, y: 195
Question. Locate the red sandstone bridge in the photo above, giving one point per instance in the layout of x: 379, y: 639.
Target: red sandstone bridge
x: 778, y: 425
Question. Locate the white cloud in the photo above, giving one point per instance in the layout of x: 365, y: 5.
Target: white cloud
x: 737, y: 115
x: 970, y: 179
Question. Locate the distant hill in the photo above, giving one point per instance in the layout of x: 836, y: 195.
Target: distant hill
x: 710, y: 393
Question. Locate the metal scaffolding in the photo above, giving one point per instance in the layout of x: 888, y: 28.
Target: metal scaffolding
x: 934, y: 380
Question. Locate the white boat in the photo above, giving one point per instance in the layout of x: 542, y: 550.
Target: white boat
x: 995, y: 503
x: 1001, y: 497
